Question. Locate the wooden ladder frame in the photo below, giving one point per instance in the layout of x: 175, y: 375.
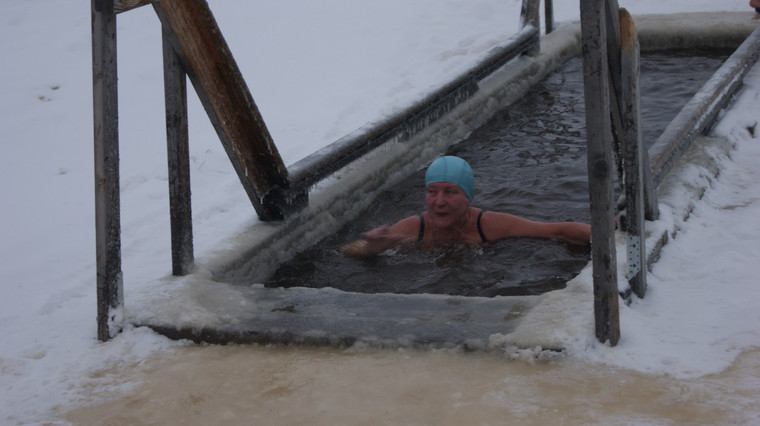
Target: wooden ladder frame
x: 194, y: 48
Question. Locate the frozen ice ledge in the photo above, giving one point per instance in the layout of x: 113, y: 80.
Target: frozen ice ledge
x: 215, y: 305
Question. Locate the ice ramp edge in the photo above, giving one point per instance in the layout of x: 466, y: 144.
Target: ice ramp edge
x: 220, y: 313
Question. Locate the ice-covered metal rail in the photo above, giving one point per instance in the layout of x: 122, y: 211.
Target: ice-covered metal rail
x: 406, y: 123
x: 700, y: 112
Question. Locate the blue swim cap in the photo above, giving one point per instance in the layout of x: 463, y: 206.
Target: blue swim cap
x: 452, y: 170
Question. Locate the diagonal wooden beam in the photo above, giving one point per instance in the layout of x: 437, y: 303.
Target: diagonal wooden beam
x: 208, y: 62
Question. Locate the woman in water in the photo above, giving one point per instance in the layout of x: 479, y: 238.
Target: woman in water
x: 450, y: 219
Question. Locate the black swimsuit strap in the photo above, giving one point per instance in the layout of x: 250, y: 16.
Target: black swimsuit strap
x: 480, y: 229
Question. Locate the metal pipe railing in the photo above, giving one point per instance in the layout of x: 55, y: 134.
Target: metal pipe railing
x: 700, y: 112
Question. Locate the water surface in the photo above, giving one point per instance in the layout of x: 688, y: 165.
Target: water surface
x: 529, y: 160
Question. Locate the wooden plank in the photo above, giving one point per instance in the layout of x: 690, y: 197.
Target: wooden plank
x: 110, y: 296
x: 633, y: 154
x: 617, y: 99
x: 211, y: 68
x: 599, y: 141
x: 178, y: 155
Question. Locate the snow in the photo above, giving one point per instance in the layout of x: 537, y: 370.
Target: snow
x: 312, y: 85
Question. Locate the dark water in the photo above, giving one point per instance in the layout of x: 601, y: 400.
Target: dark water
x: 529, y: 159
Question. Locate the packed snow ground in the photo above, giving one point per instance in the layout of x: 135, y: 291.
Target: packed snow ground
x: 312, y: 85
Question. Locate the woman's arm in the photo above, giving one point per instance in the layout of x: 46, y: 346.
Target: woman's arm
x: 497, y: 226
x: 384, y: 237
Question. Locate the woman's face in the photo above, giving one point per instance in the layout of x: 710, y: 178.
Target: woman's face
x: 447, y: 204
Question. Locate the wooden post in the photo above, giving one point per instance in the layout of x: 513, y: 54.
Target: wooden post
x: 651, y: 208
x: 599, y: 140
x: 110, y: 296
x: 633, y: 152
x: 529, y: 16
x: 209, y: 64
x: 178, y: 154
x: 549, y: 16
x: 618, y: 104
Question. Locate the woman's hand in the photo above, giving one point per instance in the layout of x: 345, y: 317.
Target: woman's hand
x: 373, y: 242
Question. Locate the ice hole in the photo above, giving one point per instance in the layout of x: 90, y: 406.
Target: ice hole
x: 529, y: 160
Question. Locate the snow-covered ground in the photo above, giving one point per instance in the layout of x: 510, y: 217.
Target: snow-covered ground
x: 313, y: 85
